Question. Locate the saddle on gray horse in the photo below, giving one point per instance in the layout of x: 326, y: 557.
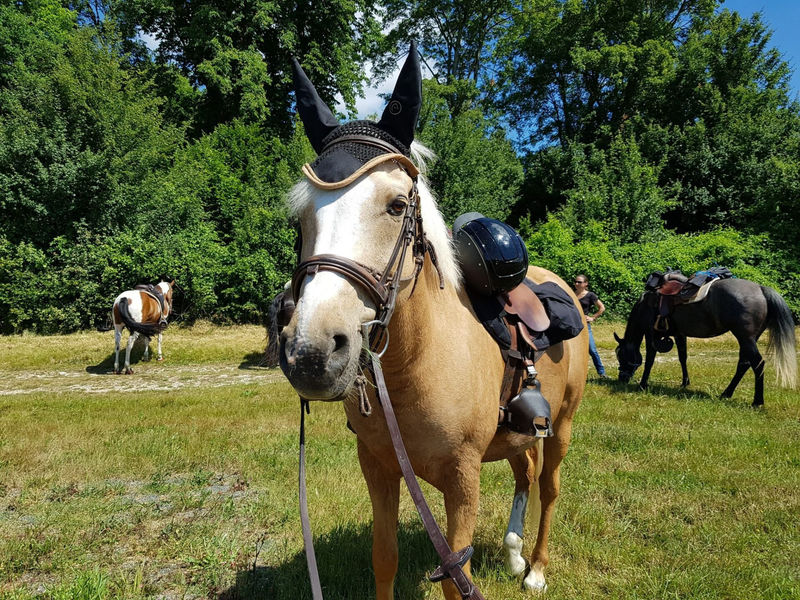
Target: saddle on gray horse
x: 673, y: 288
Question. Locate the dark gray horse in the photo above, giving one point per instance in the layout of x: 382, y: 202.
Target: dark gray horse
x: 740, y: 306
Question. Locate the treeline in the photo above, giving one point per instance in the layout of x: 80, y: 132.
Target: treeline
x: 620, y: 137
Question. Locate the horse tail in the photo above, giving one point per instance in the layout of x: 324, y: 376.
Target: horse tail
x: 781, y: 337
x: 148, y: 329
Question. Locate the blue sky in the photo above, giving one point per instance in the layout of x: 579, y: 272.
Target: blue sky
x: 781, y: 16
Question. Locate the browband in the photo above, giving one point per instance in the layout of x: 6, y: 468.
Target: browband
x: 401, y: 159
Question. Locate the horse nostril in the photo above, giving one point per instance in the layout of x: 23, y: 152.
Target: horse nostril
x: 340, y: 342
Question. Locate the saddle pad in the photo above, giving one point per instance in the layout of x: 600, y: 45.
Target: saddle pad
x: 702, y: 292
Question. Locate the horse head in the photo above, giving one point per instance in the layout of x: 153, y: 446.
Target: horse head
x: 166, y: 286
x: 629, y: 356
x: 360, y: 213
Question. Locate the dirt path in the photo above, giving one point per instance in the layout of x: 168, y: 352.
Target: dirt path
x: 150, y: 377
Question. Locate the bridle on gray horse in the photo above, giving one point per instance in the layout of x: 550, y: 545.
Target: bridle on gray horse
x: 383, y: 289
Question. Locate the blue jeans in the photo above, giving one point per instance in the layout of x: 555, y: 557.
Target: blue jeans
x: 598, y: 364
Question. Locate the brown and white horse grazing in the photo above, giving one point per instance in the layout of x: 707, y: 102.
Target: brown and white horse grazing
x: 141, y: 312
x: 442, y: 369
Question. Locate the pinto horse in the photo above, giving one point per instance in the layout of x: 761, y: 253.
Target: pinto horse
x: 442, y: 370
x: 743, y: 307
x: 143, y: 313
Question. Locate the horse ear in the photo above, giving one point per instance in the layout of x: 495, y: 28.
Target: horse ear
x: 400, y: 116
x: 616, y: 337
x: 314, y: 113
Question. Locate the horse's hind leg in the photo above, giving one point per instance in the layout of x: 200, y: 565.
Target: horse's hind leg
x: 525, y: 466
x: 146, y: 355
x: 749, y: 357
x: 117, y: 339
x: 160, y: 356
x: 131, y: 340
x: 384, y: 492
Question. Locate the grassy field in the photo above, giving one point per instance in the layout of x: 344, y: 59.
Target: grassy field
x: 181, y: 482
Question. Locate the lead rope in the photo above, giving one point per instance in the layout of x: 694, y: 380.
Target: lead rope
x: 452, y: 562
x: 308, y: 539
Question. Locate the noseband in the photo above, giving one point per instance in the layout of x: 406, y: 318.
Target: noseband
x: 382, y: 287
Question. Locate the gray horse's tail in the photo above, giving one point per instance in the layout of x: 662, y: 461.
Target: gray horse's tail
x: 148, y: 329
x: 781, y: 337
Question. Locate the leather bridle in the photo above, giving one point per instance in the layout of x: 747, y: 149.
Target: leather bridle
x: 382, y: 288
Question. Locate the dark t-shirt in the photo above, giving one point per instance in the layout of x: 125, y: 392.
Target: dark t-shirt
x: 587, y: 302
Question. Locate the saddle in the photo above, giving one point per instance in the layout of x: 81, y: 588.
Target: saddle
x: 525, y: 322
x: 673, y: 288
x: 155, y: 292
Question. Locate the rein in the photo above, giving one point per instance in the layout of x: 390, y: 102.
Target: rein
x: 383, y: 289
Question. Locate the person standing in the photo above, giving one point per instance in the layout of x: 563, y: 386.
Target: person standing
x: 588, y: 300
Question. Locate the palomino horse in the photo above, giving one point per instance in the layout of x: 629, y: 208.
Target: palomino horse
x: 740, y: 306
x: 142, y: 312
x: 442, y: 369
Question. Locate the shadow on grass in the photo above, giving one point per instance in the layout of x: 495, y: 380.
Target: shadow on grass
x: 344, y: 558
x: 106, y: 366
x: 254, y: 360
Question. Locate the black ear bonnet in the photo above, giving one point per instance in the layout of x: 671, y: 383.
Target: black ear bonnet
x: 345, y: 152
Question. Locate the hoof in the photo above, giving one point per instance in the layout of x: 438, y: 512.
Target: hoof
x: 117, y: 372
x: 128, y: 371
x: 160, y: 359
x: 512, y: 544
x: 535, y: 582
x: 757, y: 405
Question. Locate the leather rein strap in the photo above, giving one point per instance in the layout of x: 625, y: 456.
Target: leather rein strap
x: 383, y: 289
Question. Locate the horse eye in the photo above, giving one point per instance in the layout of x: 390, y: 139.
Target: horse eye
x: 397, y: 207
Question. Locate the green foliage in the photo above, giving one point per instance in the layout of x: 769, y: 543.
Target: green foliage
x: 617, y: 271
x: 635, y: 120
x: 476, y: 167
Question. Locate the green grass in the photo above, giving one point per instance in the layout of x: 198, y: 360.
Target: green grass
x: 191, y: 491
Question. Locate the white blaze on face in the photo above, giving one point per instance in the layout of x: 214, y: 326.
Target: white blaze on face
x: 339, y: 224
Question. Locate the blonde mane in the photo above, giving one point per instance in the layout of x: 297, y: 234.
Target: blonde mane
x: 437, y: 231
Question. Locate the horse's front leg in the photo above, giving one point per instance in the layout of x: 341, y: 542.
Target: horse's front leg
x: 460, y: 485
x: 160, y: 356
x: 649, y: 359
x: 146, y: 355
x: 680, y: 344
x: 384, y: 492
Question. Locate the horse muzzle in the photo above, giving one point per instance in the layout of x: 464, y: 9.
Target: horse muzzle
x: 322, y: 369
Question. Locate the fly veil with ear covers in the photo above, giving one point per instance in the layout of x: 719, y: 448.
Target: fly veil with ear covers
x: 346, y: 152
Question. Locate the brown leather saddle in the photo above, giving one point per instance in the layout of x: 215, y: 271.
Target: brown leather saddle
x: 673, y: 292
x: 523, y: 408
x: 155, y: 292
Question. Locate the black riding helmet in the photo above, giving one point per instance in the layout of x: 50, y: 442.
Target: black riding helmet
x: 492, y: 255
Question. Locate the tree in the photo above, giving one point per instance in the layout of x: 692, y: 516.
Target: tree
x: 237, y: 52
x: 476, y: 168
